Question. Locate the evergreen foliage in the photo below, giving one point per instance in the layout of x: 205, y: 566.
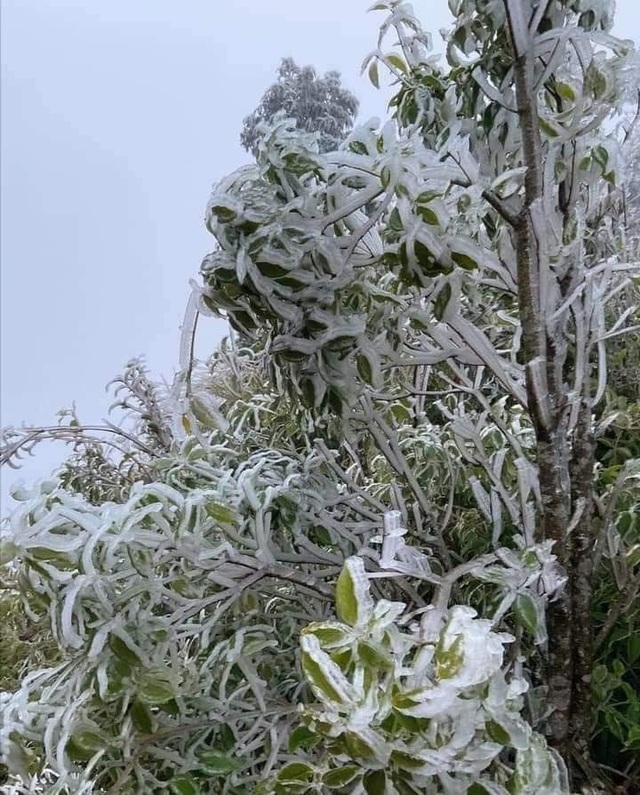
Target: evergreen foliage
x: 319, y: 104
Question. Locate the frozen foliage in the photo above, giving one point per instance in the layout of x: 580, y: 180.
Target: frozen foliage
x: 363, y: 555
x: 414, y: 702
x: 169, y: 635
x: 318, y: 104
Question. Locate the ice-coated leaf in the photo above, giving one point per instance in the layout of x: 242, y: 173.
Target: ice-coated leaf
x: 324, y: 676
x: 363, y: 744
x: 463, y: 257
x: 205, y: 411
x: 141, y: 717
x: 527, y: 612
x: 365, y: 368
x: 216, y: 764
x: 296, y: 772
x: 498, y: 734
x: 549, y: 127
x: 514, y: 176
x: 331, y: 635
x: 442, y: 301
x: 373, y: 73
x: 124, y: 651
x: 354, y: 604
x: 539, y: 769
x: 184, y: 785
x: 155, y: 687
x: 397, y: 62
x: 374, y: 656
x: 302, y: 737
x: 222, y: 513
x: 341, y: 777
x: 86, y: 741
x: 449, y: 659
x: 374, y: 782
x: 8, y: 551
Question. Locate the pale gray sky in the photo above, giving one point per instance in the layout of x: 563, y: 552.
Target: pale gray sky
x: 116, y: 118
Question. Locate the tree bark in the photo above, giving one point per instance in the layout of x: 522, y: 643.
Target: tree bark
x: 565, y: 456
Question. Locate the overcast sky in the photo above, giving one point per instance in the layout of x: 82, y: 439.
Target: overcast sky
x: 116, y: 118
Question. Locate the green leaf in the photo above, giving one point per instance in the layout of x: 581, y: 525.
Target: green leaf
x: 354, y: 604
x: 205, y: 411
x: 442, y: 301
x: 141, y: 717
x: 357, y: 747
x: 548, y: 128
x: 423, y: 255
x: 633, y: 646
x: 222, y: 213
x: 373, y: 73
x: 154, y: 687
x: 601, y: 156
x: 397, y: 62
x: 216, y: 764
x: 448, y: 661
x: 633, y: 738
x: 170, y: 707
x: 59, y: 559
x: 498, y: 734
x: 342, y: 658
x: 271, y: 270
x: 365, y: 370
x: 91, y: 740
x: 374, y: 656
x: 321, y: 672
x: 123, y: 652
x: 85, y: 743
x: 406, y: 761
x: 8, y: 551
x: 404, y: 788
x: 296, y: 771
x: 341, y: 776
x: 428, y: 215
x: 477, y: 789
x: 308, y: 389
x: 335, y: 401
x: 358, y: 148
x: 329, y: 635
x: 320, y: 535
x: 375, y: 782
x: 395, y: 221
x: 221, y: 513
x: 526, y: 612
x: 464, y: 260
x: 226, y: 739
x: 184, y: 785
x: 566, y: 91
x: 595, y: 81
x: 407, y: 700
x: 302, y: 737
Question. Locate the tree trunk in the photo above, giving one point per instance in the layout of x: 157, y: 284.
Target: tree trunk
x: 565, y: 455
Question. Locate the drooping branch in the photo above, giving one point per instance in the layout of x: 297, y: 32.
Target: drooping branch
x: 29, y: 436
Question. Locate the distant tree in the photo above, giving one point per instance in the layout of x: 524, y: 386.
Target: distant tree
x: 318, y: 104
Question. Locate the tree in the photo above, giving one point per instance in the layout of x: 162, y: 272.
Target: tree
x: 632, y: 185
x: 318, y: 104
x: 389, y: 545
